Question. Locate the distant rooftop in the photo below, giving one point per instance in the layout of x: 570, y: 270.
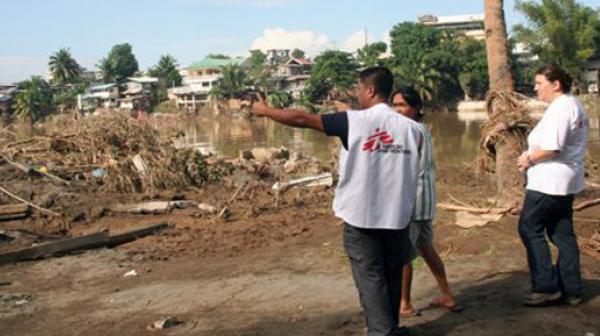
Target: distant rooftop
x: 102, y: 86
x: 215, y: 63
x: 144, y: 79
x: 452, y: 19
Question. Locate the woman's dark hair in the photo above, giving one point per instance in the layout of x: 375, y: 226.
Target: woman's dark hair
x: 553, y: 72
x: 411, y: 96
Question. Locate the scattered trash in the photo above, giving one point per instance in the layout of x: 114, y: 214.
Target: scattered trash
x: 98, y: 172
x: 325, y: 179
x: 21, y: 302
x: 165, y: 323
x: 131, y: 273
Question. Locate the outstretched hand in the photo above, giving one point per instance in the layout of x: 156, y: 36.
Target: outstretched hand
x: 260, y: 107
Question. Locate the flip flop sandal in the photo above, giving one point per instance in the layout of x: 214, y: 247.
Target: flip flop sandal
x: 412, y: 313
x: 455, y: 308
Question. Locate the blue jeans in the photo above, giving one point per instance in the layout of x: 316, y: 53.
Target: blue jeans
x: 550, y: 215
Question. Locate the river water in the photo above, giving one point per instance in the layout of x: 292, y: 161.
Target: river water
x: 455, y: 135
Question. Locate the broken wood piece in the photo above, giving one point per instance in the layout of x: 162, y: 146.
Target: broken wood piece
x: 586, y: 204
x: 46, y: 211
x: 232, y: 198
x: 592, y: 185
x: 140, y: 165
x: 500, y: 211
x: 132, y: 235
x: 207, y: 208
x: 49, y: 249
x: 87, y: 242
x: 154, y: 208
x: 183, y: 204
x: 468, y: 220
x: 325, y: 179
x: 13, y: 209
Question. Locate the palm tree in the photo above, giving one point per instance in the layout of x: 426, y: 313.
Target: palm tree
x: 166, y: 71
x: 34, y: 100
x: 419, y: 74
x: 504, y: 132
x: 233, y: 81
x: 63, y: 67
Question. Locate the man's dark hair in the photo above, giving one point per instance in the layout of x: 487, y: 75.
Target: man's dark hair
x: 381, y: 78
x: 410, y: 95
x: 553, y: 72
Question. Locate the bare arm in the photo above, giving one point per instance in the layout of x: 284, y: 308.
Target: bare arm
x: 288, y: 117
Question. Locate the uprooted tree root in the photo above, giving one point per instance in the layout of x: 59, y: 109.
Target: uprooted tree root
x: 508, y: 118
x: 107, y: 145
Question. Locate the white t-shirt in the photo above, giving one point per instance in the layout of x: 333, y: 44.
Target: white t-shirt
x: 563, y: 127
x: 378, y: 173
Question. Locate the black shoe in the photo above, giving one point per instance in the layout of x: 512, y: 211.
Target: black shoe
x: 540, y: 299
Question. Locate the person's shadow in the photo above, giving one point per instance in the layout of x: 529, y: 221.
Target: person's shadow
x: 491, y: 307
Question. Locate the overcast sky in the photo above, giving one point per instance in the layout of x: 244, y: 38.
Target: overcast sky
x: 190, y: 29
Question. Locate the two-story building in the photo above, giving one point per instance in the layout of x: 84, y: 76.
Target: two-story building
x: 470, y: 24
x: 292, y: 76
x: 139, y: 93
x: 198, y: 80
x: 104, y: 95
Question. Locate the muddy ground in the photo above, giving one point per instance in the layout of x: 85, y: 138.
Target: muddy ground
x: 268, y: 268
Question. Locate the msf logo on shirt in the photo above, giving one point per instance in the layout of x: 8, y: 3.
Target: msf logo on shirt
x: 383, y: 142
x: 375, y: 141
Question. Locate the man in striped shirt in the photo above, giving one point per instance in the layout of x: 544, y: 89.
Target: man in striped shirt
x: 407, y: 102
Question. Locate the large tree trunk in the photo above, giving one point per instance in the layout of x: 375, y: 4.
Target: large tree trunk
x: 503, y: 135
x: 496, y: 42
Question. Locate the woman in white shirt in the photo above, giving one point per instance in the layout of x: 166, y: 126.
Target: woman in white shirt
x: 554, y: 164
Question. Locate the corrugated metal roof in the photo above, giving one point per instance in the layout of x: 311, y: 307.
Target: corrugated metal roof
x: 215, y: 63
x: 102, y: 86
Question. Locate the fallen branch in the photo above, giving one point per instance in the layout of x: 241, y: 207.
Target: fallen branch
x: 586, y: 204
x: 46, y: 211
x: 452, y: 207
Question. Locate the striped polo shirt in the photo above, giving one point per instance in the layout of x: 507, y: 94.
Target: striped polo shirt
x: 426, y: 198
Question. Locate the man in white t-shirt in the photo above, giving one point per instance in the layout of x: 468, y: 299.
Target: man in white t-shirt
x: 554, y: 163
x: 375, y: 194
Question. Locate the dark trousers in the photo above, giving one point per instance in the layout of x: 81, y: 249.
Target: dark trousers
x: 377, y: 258
x: 552, y: 216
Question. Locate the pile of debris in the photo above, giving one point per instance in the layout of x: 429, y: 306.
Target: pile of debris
x: 113, y: 152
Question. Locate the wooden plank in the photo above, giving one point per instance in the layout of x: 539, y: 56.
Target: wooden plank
x: 13, y: 209
x: 134, y: 234
x: 53, y: 248
x: 13, y: 217
x: 88, y: 242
